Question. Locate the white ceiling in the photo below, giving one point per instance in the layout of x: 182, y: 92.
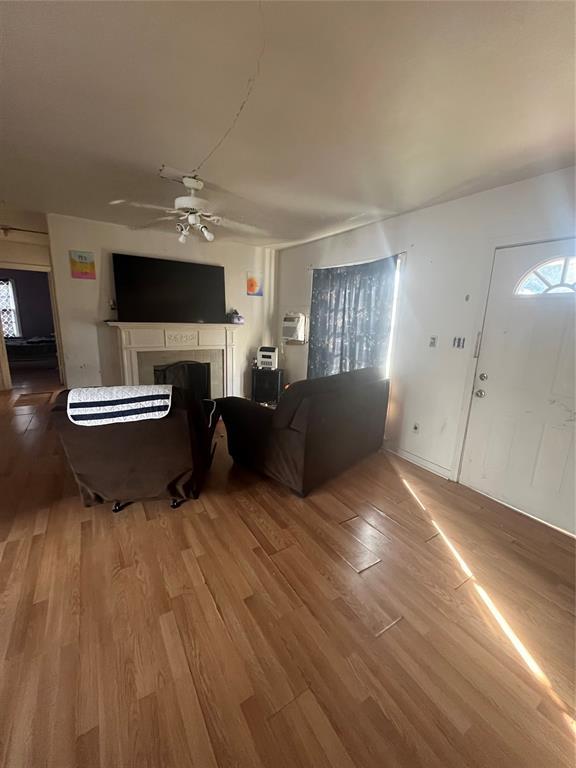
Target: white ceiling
x: 361, y: 109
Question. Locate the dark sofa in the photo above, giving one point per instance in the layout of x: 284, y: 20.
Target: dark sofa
x: 152, y: 459
x: 320, y: 427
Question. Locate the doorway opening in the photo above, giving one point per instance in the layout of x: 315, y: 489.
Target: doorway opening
x: 27, y: 324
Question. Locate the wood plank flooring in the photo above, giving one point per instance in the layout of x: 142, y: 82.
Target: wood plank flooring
x: 389, y: 619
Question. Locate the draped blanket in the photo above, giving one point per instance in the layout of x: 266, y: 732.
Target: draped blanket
x: 95, y: 406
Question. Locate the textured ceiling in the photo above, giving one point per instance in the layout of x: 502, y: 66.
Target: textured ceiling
x: 361, y: 109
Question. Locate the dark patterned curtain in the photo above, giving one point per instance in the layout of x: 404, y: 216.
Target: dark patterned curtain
x: 350, y: 317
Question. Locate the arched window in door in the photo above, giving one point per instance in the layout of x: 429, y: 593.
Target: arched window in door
x: 553, y: 276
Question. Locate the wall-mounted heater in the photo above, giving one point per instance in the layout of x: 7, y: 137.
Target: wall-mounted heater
x: 294, y: 328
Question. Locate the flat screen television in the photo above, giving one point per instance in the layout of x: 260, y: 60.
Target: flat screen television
x: 167, y: 291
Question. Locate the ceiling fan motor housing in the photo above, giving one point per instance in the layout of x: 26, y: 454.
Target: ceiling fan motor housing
x: 189, y: 202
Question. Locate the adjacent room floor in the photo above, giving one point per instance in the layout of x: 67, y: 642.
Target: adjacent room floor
x: 389, y: 619
x: 35, y: 380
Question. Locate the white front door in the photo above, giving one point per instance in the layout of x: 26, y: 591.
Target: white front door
x: 520, y: 441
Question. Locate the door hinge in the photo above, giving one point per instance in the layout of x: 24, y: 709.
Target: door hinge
x: 477, y: 345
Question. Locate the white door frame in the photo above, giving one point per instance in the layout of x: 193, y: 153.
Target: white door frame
x: 457, y: 471
x: 5, y: 375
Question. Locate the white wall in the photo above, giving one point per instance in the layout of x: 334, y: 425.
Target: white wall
x: 91, y: 355
x: 443, y: 289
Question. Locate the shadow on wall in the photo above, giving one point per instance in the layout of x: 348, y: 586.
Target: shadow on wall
x: 108, y: 347
x: 247, y: 378
x: 109, y: 355
x: 395, y: 417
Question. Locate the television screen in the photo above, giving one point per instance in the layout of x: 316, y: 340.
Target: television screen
x: 167, y: 291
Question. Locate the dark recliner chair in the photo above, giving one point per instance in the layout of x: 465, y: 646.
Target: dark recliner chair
x: 152, y: 459
x: 320, y: 428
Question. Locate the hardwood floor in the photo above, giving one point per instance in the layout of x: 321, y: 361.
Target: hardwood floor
x: 389, y: 619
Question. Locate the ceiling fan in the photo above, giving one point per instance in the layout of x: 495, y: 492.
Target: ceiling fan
x: 190, y: 212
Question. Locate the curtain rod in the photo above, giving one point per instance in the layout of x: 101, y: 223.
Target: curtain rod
x: 311, y: 267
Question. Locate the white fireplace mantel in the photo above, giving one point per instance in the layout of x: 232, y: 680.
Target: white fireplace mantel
x: 148, y: 337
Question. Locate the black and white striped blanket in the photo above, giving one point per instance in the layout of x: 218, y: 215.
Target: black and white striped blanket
x: 95, y: 406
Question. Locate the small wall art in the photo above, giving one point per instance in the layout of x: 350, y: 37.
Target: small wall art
x: 254, y: 284
x: 82, y: 265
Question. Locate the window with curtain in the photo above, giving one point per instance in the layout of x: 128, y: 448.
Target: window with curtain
x: 351, y: 317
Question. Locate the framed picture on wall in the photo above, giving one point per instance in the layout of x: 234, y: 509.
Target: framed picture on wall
x: 82, y: 265
x: 254, y: 284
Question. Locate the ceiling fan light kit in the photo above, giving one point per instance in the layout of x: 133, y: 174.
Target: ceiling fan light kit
x: 206, y: 232
x: 184, y: 229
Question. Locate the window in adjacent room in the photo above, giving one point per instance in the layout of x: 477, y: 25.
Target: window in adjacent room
x: 351, y: 317
x: 9, y: 310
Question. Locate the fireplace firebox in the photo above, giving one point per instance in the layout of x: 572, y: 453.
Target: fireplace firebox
x: 187, y: 374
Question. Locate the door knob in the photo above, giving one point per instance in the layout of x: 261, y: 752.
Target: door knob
x: 483, y: 376
x: 480, y: 393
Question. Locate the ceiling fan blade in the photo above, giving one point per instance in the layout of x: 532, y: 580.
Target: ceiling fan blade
x: 239, y: 226
x: 148, y: 206
x: 155, y: 221
x: 213, y: 218
x: 168, y: 173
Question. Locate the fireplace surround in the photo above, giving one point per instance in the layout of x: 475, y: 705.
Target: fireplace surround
x: 143, y: 345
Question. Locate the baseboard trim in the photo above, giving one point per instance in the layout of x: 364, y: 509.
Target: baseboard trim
x: 522, y: 512
x: 445, y: 473
x: 437, y: 469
